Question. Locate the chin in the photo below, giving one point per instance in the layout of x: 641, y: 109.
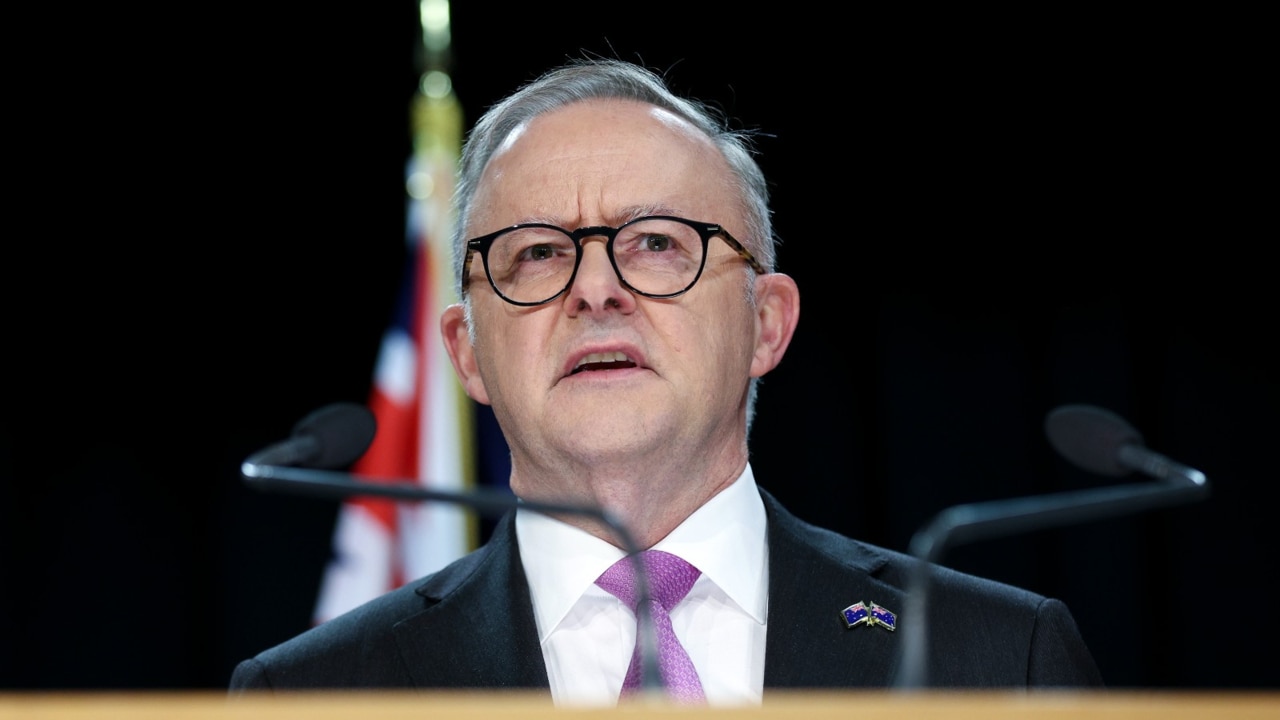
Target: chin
x: 609, y: 420
x: 612, y: 435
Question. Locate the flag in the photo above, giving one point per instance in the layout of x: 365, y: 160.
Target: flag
x: 425, y: 420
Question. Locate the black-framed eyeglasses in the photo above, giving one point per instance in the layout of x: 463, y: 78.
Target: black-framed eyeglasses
x: 658, y: 256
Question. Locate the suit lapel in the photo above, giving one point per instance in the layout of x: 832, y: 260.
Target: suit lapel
x: 813, y: 576
x: 478, y: 628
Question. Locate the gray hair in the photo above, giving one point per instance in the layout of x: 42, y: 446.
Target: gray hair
x: 610, y: 79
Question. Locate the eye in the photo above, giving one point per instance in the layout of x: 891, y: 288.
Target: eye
x: 656, y: 243
x: 539, y: 252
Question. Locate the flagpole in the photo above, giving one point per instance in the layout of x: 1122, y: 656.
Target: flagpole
x: 426, y: 428
x: 446, y: 447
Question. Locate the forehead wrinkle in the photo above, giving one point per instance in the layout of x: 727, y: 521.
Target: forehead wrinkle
x: 573, y: 220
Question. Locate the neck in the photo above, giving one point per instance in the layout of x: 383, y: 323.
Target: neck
x: 649, y: 499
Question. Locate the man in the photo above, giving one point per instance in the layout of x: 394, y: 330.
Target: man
x: 616, y: 262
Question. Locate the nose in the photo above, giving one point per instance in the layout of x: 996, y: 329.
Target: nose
x: 596, y: 288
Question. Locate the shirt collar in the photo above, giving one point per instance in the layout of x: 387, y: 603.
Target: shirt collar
x: 725, y: 539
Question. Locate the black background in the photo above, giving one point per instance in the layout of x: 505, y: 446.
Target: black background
x: 988, y: 217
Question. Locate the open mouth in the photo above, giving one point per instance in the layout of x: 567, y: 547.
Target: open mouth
x: 603, y: 361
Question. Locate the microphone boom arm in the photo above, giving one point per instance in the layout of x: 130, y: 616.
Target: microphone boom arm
x: 339, y: 485
x: 977, y: 521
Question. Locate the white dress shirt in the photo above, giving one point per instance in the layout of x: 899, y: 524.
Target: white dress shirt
x: 587, y: 635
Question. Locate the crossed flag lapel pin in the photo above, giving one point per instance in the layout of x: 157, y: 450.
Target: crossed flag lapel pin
x: 869, y: 614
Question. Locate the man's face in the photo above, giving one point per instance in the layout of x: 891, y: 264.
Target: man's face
x: 600, y: 375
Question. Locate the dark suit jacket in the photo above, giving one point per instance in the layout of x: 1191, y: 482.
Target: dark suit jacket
x: 471, y: 625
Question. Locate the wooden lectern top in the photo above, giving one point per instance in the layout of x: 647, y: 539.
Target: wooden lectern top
x: 498, y: 705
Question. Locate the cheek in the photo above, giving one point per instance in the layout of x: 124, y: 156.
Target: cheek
x: 718, y: 340
x: 511, y: 348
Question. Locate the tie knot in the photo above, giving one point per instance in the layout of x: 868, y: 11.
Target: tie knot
x: 670, y: 579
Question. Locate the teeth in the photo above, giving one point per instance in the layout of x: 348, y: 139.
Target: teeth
x: 606, y: 357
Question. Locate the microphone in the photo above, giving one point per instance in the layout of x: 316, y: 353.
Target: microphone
x: 1101, y: 442
x: 333, y: 436
x: 1092, y: 438
x: 337, y: 435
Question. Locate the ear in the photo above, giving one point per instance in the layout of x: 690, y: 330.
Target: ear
x: 777, y: 313
x: 457, y: 342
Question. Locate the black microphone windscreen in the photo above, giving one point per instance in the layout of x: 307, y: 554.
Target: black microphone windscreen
x: 1091, y: 437
x: 343, y: 432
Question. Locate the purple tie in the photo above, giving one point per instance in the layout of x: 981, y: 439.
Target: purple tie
x: 670, y: 579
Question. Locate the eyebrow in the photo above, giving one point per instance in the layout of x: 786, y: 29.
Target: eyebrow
x: 638, y: 211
